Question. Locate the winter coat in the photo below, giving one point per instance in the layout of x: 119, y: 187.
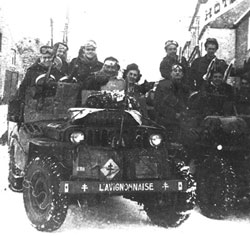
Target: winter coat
x: 100, y: 80
x: 217, y: 99
x: 199, y: 68
x: 170, y: 100
x: 65, y: 68
x: 30, y: 77
x: 167, y: 63
x: 81, y: 69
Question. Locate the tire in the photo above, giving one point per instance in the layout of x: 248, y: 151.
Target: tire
x: 216, y: 188
x: 46, y: 208
x: 172, y: 209
x: 15, y: 179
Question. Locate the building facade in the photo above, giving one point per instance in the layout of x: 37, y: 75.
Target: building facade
x: 226, y: 20
x: 10, y: 62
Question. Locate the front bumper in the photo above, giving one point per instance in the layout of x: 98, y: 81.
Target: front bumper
x: 121, y: 187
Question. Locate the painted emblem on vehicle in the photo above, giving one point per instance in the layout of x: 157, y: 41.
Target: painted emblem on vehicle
x: 110, y: 169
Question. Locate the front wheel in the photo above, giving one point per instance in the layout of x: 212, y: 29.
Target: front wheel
x: 172, y: 209
x: 45, y: 206
x: 216, y: 188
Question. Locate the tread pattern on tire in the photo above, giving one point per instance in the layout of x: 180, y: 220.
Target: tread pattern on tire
x: 51, y: 216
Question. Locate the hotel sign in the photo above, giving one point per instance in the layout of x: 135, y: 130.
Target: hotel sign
x: 215, y: 8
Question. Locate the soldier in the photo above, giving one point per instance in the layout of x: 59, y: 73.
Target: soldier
x: 170, y: 99
x: 132, y: 76
x: 60, y: 49
x: 38, y: 72
x: 41, y: 77
x: 216, y: 95
x: 106, y: 78
x: 200, y: 65
x: 85, y: 64
x: 171, y: 58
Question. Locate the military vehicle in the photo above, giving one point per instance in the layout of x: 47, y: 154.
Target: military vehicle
x: 99, y: 149
x: 218, y: 145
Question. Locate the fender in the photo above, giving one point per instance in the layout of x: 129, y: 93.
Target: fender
x: 47, y: 142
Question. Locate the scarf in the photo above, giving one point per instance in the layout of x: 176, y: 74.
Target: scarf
x: 88, y: 61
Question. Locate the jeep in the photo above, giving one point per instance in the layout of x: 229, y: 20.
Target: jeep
x: 102, y: 148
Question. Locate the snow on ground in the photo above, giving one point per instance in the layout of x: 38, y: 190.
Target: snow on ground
x: 117, y: 216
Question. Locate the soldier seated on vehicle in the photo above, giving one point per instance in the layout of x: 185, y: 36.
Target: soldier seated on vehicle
x: 60, y: 50
x: 41, y: 77
x: 170, y: 100
x: 132, y: 76
x: 107, y: 77
x: 85, y: 64
x: 217, y: 95
x: 37, y: 74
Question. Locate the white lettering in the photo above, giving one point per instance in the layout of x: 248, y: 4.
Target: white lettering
x: 135, y: 187
x: 116, y: 187
x: 217, y: 8
x: 100, y: 188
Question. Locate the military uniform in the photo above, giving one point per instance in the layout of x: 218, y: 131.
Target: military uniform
x: 167, y: 63
x: 170, y: 100
x: 31, y: 75
x: 82, y: 68
x: 199, y: 68
x: 216, y: 100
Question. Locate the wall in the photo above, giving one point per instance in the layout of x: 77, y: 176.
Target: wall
x: 6, y: 54
x: 242, y: 32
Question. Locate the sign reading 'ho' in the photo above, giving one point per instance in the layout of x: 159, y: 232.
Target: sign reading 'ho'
x: 215, y: 8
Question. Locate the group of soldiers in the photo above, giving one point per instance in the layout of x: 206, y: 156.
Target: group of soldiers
x: 199, y: 90
x: 85, y: 69
x: 172, y: 92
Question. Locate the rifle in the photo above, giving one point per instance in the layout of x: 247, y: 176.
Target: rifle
x: 228, y: 70
x: 180, y: 55
x: 209, y: 69
x: 42, y: 80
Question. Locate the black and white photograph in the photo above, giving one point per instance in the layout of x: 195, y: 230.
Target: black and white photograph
x: 125, y: 117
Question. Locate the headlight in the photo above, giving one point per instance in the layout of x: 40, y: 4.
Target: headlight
x: 155, y: 140
x: 219, y: 147
x: 76, y: 137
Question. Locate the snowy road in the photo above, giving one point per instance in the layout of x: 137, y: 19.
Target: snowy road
x: 117, y: 217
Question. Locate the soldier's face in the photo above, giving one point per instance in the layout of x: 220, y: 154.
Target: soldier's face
x: 110, y: 67
x: 171, y: 50
x: 217, y: 79
x: 132, y: 76
x: 90, y: 52
x: 45, y: 59
x: 211, y: 50
x: 177, y: 74
x: 61, y: 51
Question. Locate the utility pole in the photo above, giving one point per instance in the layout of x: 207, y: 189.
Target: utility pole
x: 51, y: 32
